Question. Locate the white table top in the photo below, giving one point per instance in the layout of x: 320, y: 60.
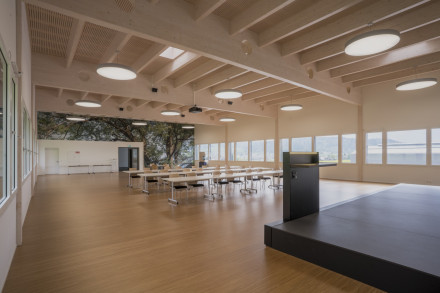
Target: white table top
x: 221, y: 176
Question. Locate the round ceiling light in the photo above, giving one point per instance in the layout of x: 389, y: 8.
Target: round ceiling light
x: 416, y: 84
x: 75, y: 118
x: 372, y: 42
x: 188, y: 126
x: 227, y: 119
x: 228, y: 94
x: 169, y: 113
x: 291, y: 107
x: 139, y: 123
x: 88, y: 104
x: 116, y: 71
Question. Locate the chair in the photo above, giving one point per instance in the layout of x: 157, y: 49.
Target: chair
x: 153, y: 167
x: 233, y: 180
x: 134, y: 176
x: 179, y: 186
x: 218, y: 182
x: 194, y: 184
x: 152, y: 179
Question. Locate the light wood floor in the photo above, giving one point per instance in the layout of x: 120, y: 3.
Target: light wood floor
x: 89, y: 233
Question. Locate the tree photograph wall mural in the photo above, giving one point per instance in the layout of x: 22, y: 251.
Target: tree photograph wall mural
x: 163, y: 142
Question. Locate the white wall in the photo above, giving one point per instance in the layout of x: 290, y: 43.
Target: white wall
x: 72, y: 152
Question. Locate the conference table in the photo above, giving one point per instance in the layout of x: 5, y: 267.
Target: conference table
x: 211, y: 195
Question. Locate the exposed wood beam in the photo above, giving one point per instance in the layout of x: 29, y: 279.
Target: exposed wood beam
x: 74, y: 37
x: 117, y: 44
x: 293, y: 98
x: 198, y: 72
x: 184, y: 108
x: 49, y: 71
x: 125, y: 101
x: 259, y: 85
x: 268, y: 91
x: 203, y: 8
x: 173, y: 106
x: 210, y: 40
x: 212, y: 112
x: 157, y: 105
x: 105, y: 98
x: 398, y: 55
x: 60, y: 92
x: 238, y: 81
x: 258, y: 11
x: 304, y: 18
x: 280, y: 95
x: 180, y: 62
x: 218, y: 77
x: 140, y: 103
x: 411, y: 63
x: 358, y: 19
x: 149, y: 56
x: 403, y: 23
x: 396, y: 75
x: 424, y: 33
x: 83, y: 95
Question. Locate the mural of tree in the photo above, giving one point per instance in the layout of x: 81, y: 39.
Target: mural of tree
x: 163, y: 142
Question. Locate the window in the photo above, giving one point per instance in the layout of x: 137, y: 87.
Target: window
x: 406, y: 147
x: 435, y: 135
x: 257, y: 151
x: 242, y: 151
x: 270, y: 150
x: 213, y: 151
x: 302, y: 144
x: 349, y: 148
x: 222, y: 152
x: 374, y: 148
x: 13, y: 141
x: 204, y: 149
x: 196, y: 152
x: 231, y: 152
x: 284, y: 147
x: 327, y: 146
x: 3, y: 96
x: 27, y: 144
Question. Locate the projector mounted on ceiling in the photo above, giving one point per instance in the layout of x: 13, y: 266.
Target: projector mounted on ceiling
x: 195, y: 109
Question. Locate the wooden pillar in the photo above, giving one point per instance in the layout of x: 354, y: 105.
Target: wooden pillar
x: 276, y: 143
x: 226, y: 146
x: 360, y: 144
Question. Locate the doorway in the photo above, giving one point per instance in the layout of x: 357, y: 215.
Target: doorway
x: 128, y: 158
x: 52, y: 160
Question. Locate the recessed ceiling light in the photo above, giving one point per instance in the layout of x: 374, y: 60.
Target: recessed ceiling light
x: 171, y: 53
x: 170, y: 113
x: 291, y: 107
x: 228, y: 94
x: 88, y: 104
x: 372, y: 42
x: 116, y: 71
x: 227, y: 119
x: 139, y: 123
x: 188, y: 126
x: 75, y: 118
x: 416, y: 84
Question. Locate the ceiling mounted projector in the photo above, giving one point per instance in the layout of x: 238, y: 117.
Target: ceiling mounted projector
x: 195, y: 109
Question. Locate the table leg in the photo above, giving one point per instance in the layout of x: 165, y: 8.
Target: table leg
x: 172, y: 200
x: 129, y: 180
x: 145, y: 186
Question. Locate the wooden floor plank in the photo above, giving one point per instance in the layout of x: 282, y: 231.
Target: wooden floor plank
x: 89, y: 233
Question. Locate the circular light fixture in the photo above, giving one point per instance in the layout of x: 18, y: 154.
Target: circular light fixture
x: 88, y: 104
x: 227, y: 119
x: 116, y: 71
x: 188, y: 126
x: 228, y: 94
x: 291, y: 107
x: 139, y: 123
x: 75, y: 118
x: 169, y: 113
x: 416, y: 84
x: 372, y: 42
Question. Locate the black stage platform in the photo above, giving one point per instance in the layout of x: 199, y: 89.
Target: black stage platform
x: 390, y: 239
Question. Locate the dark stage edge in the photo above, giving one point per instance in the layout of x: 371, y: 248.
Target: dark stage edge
x: 389, y: 240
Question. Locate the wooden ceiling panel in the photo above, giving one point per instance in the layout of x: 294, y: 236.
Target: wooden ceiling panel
x: 189, y: 67
x: 49, y: 31
x: 133, y: 50
x: 156, y: 65
x: 231, y: 8
x: 95, y: 39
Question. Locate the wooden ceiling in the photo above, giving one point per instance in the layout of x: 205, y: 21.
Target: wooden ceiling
x: 296, y: 47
